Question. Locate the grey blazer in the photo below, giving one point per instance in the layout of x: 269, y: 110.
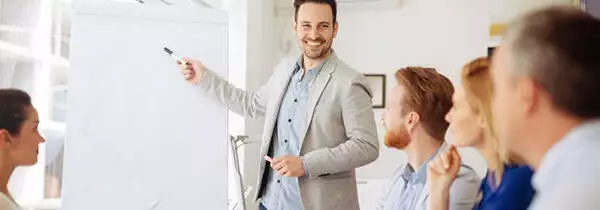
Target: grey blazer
x: 341, y: 134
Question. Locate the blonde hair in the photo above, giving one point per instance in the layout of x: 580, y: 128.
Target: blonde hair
x: 477, y: 83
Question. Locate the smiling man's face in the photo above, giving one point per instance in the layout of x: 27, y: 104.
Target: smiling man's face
x: 315, y: 30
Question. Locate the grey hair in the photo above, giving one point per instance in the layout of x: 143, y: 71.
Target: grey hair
x: 559, y: 47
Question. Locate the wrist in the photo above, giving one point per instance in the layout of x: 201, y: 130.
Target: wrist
x: 200, y: 76
x: 306, y: 173
x: 439, y: 192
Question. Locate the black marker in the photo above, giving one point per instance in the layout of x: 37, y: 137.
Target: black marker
x: 174, y: 56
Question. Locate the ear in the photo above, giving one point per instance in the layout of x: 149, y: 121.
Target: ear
x: 448, y: 116
x: 530, y: 92
x: 294, y: 25
x: 335, y: 29
x: 412, y: 120
x: 5, y: 140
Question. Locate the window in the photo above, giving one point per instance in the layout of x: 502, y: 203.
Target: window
x: 34, y: 45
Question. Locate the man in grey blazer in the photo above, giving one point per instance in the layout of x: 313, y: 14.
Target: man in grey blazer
x: 414, y: 122
x: 319, y: 124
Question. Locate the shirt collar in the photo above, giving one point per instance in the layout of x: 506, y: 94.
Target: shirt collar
x: 409, y: 174
x: 317, y: 68
x: 554, y: 157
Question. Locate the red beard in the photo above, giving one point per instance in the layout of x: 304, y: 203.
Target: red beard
x: 397, y: 139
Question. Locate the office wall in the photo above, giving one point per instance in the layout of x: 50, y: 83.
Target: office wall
x: 593, y: 7
x: 506, y: 10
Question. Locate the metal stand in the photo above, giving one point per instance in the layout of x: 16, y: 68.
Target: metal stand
x: 236, y: 143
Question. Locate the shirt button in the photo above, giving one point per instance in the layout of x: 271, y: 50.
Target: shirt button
x: 285, y: 141
x: 278, y: 181
x: 295, y: 100
x: 289, y: 120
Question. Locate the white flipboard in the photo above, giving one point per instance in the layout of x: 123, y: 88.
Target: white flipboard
x: 138, y: 135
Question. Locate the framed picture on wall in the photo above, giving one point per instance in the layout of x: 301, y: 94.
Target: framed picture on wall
x: 490, y: 51
x: 377, y: 84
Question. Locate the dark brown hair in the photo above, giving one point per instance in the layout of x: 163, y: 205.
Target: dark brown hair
x: 429, y: 94
x: 13, y: 103
x: 331, y: 3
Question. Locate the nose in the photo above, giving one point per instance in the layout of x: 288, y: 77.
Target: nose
x: 313, y: 34
x: 448, y: 117
x: 42, y: 139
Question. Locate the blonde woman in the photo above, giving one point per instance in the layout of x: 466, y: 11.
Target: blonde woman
x: 19, y: 139
x: 507, y: 185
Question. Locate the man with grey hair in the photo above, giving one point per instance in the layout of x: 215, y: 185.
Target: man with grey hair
x: 546, y: 78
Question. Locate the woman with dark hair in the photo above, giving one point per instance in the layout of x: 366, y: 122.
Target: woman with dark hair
x: 19, y: 139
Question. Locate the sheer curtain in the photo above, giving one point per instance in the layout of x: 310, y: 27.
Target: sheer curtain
x: 27, y: 62
x: 17, y: 19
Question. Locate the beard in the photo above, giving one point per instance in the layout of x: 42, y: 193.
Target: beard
x: 398, y: 139
x: 316, y: 53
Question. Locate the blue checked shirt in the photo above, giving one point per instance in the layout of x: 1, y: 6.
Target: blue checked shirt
x: 282, y: 192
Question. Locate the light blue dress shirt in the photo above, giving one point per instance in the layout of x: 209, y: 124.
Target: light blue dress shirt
x: 407, y: 187
x: 569, y: 174
x: 282, y: 192
x: 414, y: 183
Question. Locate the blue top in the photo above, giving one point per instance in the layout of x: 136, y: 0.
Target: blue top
x: 515, y: 191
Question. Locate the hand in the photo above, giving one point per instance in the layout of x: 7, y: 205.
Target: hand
x: 442, y: 170
x: 291, y: 166
x: 192, y: 70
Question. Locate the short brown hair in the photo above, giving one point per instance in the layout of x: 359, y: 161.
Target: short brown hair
x: 559, y: 47
x: 429, y: 94
x: 331, y: 3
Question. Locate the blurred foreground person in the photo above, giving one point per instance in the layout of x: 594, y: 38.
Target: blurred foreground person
x: 546, y: 103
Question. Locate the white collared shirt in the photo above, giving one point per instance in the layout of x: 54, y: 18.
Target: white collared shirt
x: 569, y: 173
